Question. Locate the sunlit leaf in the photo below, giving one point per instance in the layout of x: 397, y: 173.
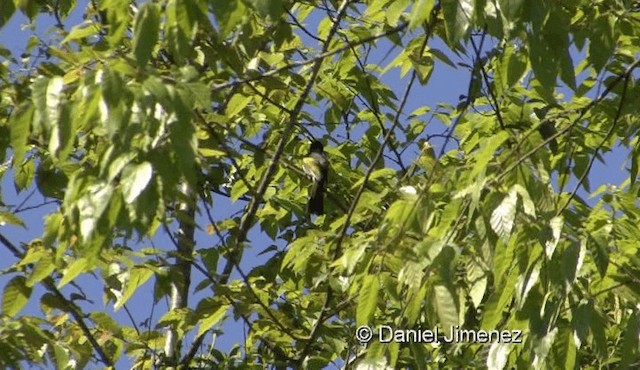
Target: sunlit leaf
x: 135, y: 179
x: 368, y: 299
x: 457, y: 18
x: 503, y: 216
x: 15, y: 296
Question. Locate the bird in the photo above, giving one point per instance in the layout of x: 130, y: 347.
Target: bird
x: 316, y: 167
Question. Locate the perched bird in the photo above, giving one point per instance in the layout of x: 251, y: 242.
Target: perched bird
x: 547, y: 128
x: 316, y: 166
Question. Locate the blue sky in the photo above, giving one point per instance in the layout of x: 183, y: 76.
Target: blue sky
x: 445, y: 86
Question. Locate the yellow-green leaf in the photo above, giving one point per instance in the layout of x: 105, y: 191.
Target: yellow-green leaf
x: 368, y: 299
x: 15, y: 296
x: 76, y: 268
x: 211, y: 319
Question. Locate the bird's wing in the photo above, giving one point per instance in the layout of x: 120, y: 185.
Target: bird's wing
x: 312, y: 168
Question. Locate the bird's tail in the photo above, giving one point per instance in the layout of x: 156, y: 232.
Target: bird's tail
x: 316, y: 200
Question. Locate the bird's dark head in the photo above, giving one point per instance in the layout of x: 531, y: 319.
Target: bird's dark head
x: 316, y: 147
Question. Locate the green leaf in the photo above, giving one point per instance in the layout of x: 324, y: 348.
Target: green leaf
x: 136, y: 277
x: 271, y: 8
x: 600, y: 255
x: 82, y: 30
x: 630, y: 347
x: 367, y: 300
x: 567, y: 71
x: 61, y: 355
x: 73, y: 270
x: 183, y: 139
x: 238, y: 190
x: 572, y: 259
x: 420, y: 12
x: 146, y: 31
x: 52, y: 115
x: 445, y: 304
x: 556, y: 224
x: 423, y: 65
x: 24, y: 175
x: 135, y: 179
x: 394, y: 11
x: 180, y: 29
x: 211, y: 319
x: 485, y: 154
x: 43, y: 269
x: 477, y: 279
x: 503, y: 216
x: 542, y: 348
x: 525, y: 282
x: 498, y: 355
x: 66, y: 132
x: 513, y: 64
x: 229, y: 13
x: 29, y: 8
x: 527, y: 204
x: 236, y: 104
x: 15, y: 296
x: 117, y: 17
x: 20, y: 125
x: 8, y: 8
x: 91, y: 206
x: 457, y: 19
x: 415, y: 300
x: 564, y: 349
x: 104, y: 321
x: 10, y: 218
x: 602, y: 41
x: 543, y: 61
x: 298, y: 254
x: 511, y: 9
x: 495, y: 306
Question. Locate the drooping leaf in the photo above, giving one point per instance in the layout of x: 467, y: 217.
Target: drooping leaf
x: 76, y: 267
x: 498, y: 355
x: 8, y: 8
x: 630, y: 347
x: 420, y: 12
x: 367, y: 299
x: 146, y: 30
x: 10, y: 218
x: 543, y: 347
x: 15, y: 296
x: 137, y: 276
x: 211, y: 319
x: 135, y: 179
x: 503, y: 216
x: 458, y: 17
x: 485, y: 154
x: 556, y: 229
x: 20, y: 124
x: 446, y: 306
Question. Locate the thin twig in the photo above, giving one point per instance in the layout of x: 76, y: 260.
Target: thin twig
x: 597, y: 150
x: 354, y: 203
x: 320, y: 57
x: 252, y: 208
x: 581, y: 113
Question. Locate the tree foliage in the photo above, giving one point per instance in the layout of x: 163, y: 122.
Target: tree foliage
x: 149, y: 120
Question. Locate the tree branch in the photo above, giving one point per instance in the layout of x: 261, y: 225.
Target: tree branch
x: 70, y: 307
x: 318, y: 58
x: 252, y: 208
